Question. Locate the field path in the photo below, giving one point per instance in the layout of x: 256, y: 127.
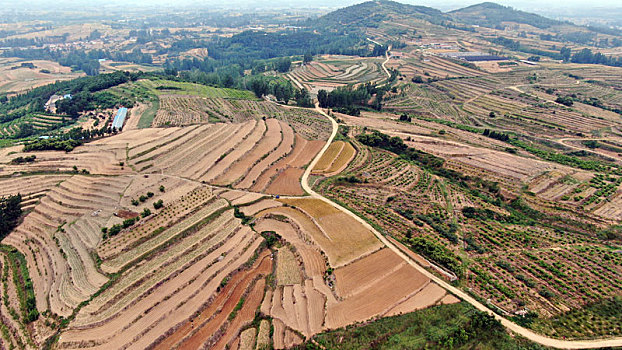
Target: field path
x: 384, y: 67
x: 540, y: 339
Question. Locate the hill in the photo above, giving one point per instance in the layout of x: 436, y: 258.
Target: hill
x: 489, y: 14
x: 370, y: 13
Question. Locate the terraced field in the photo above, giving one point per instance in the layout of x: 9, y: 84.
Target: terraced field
x: 432, y: 66
x: 333, y: 299
x: 259, y: 155
x: 331, y: 73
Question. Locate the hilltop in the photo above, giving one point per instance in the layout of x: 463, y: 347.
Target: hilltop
x: 490, y: 14
x: 370, y: 13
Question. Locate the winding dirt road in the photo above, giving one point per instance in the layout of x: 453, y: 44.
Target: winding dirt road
x: 524, y: 332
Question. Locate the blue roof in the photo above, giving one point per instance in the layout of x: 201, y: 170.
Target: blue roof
x: 117, y: 123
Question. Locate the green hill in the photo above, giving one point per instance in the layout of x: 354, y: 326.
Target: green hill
x: 371, y: 13
x: 488, y: 14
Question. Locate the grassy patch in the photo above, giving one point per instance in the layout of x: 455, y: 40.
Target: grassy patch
x: 456, y: 326
x: 599, y: 319
x: 23, y: 283
x: 169, y: 87
x: 147, y: 117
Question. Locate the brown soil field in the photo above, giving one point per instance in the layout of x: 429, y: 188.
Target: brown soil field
x: 81, y: 205
x: 386, y: 292
x: 22, y: 79
x: 254, y: 208
x: 101, y: 160
x: 312, y: 261
x: 287, y: 183
x: 278, y: 338
x: 244, y: 316
x: 500, y: 165
x: 238, y: 170
x: 430, y: 295
x: 283, y: 177
x: 359, y: 274
x: 285, y: 147
x: 233, y: 156
x: 190, y: 273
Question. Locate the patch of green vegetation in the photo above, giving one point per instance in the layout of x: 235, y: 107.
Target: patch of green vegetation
x: 456, y: 326
x: 237, y: 308
x: 147, y: 117
x: 160, y: 87
x: 23, y: 283
x: 437, y: 252
x: 600, y: 319
x: 10, y: 212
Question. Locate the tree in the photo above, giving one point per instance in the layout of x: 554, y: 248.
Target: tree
x: 159, y: 204
x: 303, y: 99
x: 322, y: 98
x: 10, y: 211
x: 417, y: 79
x: 283, y: 64
x: 566, y: 101
x: 308, y: 57
x: 565, y: 53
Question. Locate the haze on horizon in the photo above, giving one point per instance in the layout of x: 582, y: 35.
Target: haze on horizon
x: 526, y: 5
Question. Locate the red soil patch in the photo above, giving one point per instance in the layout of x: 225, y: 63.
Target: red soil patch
x: 244, y: 316
x: 126, y: 214
x: 219, y: 308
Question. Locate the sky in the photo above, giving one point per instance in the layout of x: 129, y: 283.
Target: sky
x: 444, y: 4
x: 538, y: 6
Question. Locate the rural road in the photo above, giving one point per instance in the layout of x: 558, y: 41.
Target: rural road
x: 524, y: 332
x: 387, y: 55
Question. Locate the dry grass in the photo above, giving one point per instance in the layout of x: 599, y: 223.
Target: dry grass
x: 343, y: 159
x: 343, y: 238
x: 263, y: 337
x: 328, y: 157
x: 287, y: 268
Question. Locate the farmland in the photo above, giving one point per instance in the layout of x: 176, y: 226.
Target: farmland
x: 378, y: 176
x: 332, y: 72
x: 15, y: 78
x: 411, y: 201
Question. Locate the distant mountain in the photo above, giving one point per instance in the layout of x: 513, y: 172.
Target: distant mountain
x: 371, y: 13
x: 491, y: 15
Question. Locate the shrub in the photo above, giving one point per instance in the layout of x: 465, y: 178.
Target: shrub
x: 129, y: 222
x: 159, y: 204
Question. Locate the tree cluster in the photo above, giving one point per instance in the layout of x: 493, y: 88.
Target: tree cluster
x: 10, y: 212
